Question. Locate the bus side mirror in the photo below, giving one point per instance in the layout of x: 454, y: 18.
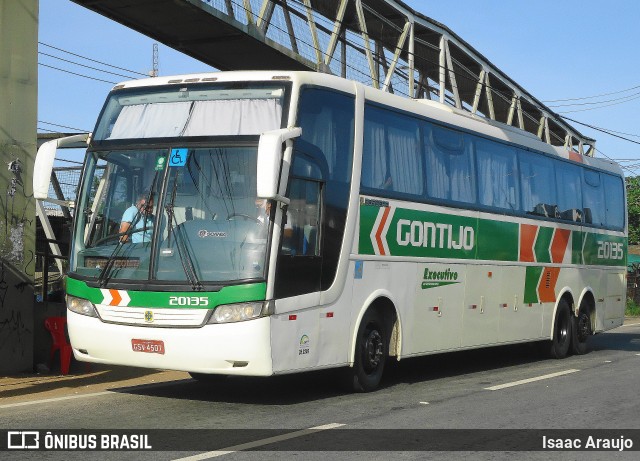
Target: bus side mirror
x: 270, y: 156
x: 45, y: 157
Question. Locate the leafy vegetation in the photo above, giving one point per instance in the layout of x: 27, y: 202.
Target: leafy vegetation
x: 633, y: 310
x: 633, y: 204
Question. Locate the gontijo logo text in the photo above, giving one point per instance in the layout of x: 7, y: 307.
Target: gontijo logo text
x: 399, y: 232
x: 434, y: 235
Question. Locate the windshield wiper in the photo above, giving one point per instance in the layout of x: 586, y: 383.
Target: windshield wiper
x: 185, y: 258
x: 106, y: 270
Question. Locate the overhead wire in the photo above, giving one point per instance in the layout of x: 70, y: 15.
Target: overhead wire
x: 592, y: 97
x: 84, y: 65
x: 600, y: 107
x: 624, y: 167
x: 603, y: 130
x: 623, y: 99
x: 63, y: 126
x: 76, y: 73
x: 93, y: 60
x: 50, y: 131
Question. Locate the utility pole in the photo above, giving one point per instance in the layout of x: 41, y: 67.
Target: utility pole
x: 154, y: 70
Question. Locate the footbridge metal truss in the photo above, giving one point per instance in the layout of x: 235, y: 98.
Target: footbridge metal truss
x: 381, y: 43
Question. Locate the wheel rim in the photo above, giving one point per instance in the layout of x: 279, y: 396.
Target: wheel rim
x: 584, y: 327
x: 373, y: 350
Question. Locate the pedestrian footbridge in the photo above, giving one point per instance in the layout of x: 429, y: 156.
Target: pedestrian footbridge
x: 382, y: 43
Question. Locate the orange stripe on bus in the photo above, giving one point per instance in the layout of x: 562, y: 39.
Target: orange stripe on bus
x: 559, y: 244
x: 383, y: 221
x: 547, y: 286
x: 528, y: 234
x: 115, y: 294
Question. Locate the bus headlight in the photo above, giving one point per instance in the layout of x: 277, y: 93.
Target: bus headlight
x: 81, y: 306
x: 240, y: 312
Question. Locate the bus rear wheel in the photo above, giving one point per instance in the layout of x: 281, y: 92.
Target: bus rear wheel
x: 561, y: 331
x: 580, y: 331
x: 372, y: 349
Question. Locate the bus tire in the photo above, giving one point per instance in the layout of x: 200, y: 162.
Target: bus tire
x: 372, y: 349
x: 207, y: 378
x: 561, y: 331
x: 580, y: 331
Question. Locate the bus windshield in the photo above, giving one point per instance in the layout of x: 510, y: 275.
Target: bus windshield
x: 188, y: 215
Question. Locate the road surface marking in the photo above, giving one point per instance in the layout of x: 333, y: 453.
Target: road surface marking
x: 530, y: 380
x: 630, y: 325
x: 56, y: 399
x: 259, y: 443
x: 112, y: 391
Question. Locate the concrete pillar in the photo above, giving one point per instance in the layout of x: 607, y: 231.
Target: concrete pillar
x: 18, y: 117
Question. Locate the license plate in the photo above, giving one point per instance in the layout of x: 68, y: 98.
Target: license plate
x: 152, y: 346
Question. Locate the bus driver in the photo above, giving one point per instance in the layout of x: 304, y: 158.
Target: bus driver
x: 139, y: 216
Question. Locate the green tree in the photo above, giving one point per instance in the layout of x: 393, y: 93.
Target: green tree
x: 633, y: 204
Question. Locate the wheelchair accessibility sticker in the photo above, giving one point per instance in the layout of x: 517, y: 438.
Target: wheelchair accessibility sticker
x: 178, y: 157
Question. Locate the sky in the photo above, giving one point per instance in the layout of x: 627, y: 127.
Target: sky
x: 554, y: 49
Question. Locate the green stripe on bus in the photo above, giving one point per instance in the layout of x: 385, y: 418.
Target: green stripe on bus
x: 604, y: 250
x: 542, y: 245
x: 497, y: 240
x: 368, y: 216
x: 532, y: 278
x: 416, y: 233
x: 576, y: 247
x: 160, y: 299
x: 80, y: 289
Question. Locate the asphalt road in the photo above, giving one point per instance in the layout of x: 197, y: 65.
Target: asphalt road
x: 511, y: 389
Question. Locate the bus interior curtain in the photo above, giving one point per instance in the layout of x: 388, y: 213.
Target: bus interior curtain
x: 151, y: 120
x: 200, y: 118
x: 234, y: 117
x: 405, y: 165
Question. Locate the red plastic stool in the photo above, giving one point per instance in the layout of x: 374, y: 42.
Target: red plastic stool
x: 56, y: 325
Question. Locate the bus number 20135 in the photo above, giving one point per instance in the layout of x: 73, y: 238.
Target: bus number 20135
x: 609, y: 250
x: 189, y: 301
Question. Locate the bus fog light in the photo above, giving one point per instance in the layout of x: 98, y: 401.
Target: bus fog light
x: 236, y: 312
x: 81, y: 306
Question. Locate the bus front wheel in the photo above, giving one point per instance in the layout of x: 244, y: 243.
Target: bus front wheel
x: 372, y: 349
x: 561, y: 331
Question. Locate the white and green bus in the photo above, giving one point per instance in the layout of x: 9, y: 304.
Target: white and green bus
x: 296, y: 221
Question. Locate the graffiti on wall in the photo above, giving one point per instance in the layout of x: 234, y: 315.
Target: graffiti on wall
x: 17, y: 264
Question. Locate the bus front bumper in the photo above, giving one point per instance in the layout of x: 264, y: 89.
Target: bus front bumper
x: 242, y: 348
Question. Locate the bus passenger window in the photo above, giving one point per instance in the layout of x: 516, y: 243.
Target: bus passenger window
x: 391, y: 159
x: 497, y: 167
x: 593, y: 198
x: 450, y: 173
x: 568, y: 182
x: 614, y: 191
x: 538, y: 185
